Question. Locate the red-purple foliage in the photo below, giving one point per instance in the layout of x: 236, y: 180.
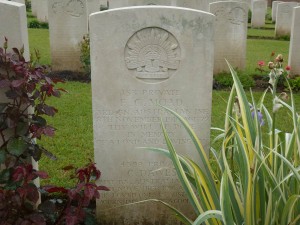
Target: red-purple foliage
x: 25, y: 86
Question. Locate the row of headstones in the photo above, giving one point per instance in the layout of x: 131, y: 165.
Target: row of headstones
x: 68, y: 24
x: 281, y: 14
x: 141, y: 57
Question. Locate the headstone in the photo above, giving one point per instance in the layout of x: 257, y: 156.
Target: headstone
x: 19, y: 1
x: 230, y: 34
x: 284, y: 18
x: 34, y: 4
x: 259, y: 8
x: 148, y: 56
x: 194, y: 4
x: 92, y: 6
x: 67, y: 26
x: 274, y: 9
x: 294, y: 53
x: 13, y: 25
x: 42, y: 11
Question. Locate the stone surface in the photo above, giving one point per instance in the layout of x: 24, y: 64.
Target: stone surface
x: 274, y: 9
x: 230, y: 34
x: 284, y: 18
x: 92, y: 6
x: 259, y: 8
x: 147, y: 56
x: 19, y: 1
x: 294, y: 53
x: 34, y: 7
x: 67, y: 26
x: 194, y: 4
x: 13, y: 25
x: 42, y: 10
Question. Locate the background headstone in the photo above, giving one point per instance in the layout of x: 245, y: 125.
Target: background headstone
x: 274, y: 9
x: 284, y: 18
x: 13, y: 25
x: 92, y: 6
x: 230, y: 34
x: 19, y: 1
x: 147, y: 56
x: 42, y: 10
x: 34, y: 7
x: 259, y: 8
x: 294, y: 53
x: 194, y: 4
x: 67, y: 26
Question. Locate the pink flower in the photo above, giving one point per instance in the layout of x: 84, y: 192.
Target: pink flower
x: 288, y: 68
x: 261, y: 63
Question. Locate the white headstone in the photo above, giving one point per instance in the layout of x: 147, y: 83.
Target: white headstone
x: 19, y: 1
x: 274, y: 9
x: 230, y: 34
x: 294, y: 53
x: 34, y: 4
x: 147, y: 56
x: 284, y: 18
x: 194, y: 4
x: 259, y: 8
x: 67, y: 26
x: 93, y: 6
x: 42, y: 10
x: 13, y: 25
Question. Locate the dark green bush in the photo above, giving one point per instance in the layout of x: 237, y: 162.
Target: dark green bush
x: 36, y: 24
x: 85, y: 54
x: 224, y: 80
x: 249, y: 16
x: 294, y: 83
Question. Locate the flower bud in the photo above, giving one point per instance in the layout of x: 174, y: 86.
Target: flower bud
x: 271, y: 65
x: 279, y: 58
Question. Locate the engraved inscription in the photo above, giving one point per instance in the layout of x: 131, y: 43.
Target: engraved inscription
x: 153, y: 54
x: 74, y: 8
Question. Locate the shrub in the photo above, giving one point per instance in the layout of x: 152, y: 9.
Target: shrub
x: 38, y: 25
x: 22, y: 120
x: 224, y: 80
x: 257, y: 180
x: 85, y: 58
x: 294, y: 84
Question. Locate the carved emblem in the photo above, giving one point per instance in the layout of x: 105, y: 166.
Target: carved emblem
x: 237, y: 16
x: 153, y: 53
x: 74, y: 8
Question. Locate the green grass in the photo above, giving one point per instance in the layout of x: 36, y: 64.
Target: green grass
x: 39, y: 39
x: 261, y: 50
x: 261, y: 32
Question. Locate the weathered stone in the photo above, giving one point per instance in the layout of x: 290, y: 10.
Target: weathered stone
x: 148, y: 56
x: 274, y: 9
x: 294, y: 53
x: 67, y: 26
x: 259, y: 8
x: 42, y: 10
x: 284, y: 18
x: 92, y: 6
x: 13, y: 25
x: 194, y: 4
x: 34, y: 7
x: 230, y: 34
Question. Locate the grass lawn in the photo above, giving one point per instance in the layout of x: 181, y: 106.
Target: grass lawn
x: 261, y: 32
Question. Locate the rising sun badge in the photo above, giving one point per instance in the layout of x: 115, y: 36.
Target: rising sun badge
x: 153, y: 54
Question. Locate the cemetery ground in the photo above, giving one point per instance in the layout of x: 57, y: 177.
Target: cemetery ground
x: 73, y: 142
